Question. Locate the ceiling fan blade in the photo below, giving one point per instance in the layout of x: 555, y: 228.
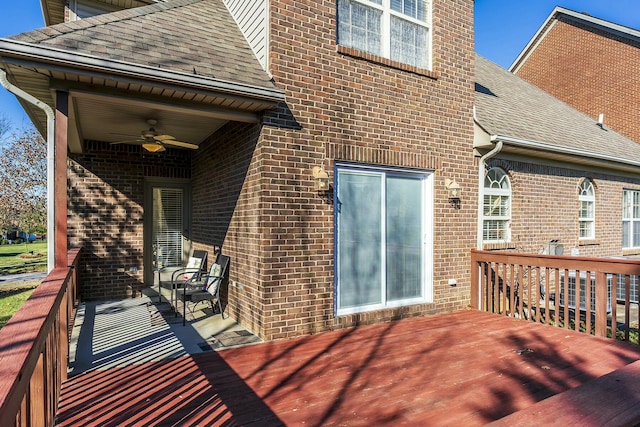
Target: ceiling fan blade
x: 180, y: 144
x: 163, y: 137
x: 171, y: 140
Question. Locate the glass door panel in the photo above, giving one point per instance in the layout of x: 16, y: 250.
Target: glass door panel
x: 359, y: 223
x: 404, y: 238
x: 167, y: 227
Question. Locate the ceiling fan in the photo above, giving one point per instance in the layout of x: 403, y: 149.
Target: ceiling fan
x: 152, y: 142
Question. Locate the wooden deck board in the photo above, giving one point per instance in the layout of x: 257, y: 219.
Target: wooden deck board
x: 457, y: 369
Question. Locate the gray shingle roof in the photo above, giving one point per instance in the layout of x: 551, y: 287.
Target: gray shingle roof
x: 191, y: 36
x: 509, y: 106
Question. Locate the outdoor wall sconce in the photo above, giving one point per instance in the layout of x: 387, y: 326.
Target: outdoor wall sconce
x: 453, y: 192
x: 321, y: 179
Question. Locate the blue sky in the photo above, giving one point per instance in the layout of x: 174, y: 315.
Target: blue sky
x: 17, y: 17
x: 502, y: 28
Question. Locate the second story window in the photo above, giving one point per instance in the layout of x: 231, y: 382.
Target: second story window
x: 82, y: 9
x: 496, y: 207
x: 394, y: 29
x: 587, y: 212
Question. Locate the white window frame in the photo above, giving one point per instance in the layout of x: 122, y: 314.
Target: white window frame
x: 500, y: 192
x: 82, y: 9
x: 630, y: 217
x: 587, y: 195
x: 427, y: 239
x: 384, y: 6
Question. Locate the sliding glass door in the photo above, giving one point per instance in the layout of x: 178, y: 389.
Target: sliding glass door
x: 384, y: 238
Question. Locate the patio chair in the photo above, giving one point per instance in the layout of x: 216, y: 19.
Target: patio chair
x: 208, y: 289
x: 196, y: 268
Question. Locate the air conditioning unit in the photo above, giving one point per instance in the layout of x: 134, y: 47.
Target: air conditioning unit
x: 570, y: 299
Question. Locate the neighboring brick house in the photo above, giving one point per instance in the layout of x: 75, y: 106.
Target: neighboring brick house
x: 376, y: 95
x: 551, y: 173
x: 589, y: 63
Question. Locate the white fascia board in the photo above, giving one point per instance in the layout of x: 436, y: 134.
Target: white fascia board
x: 541, y: 146
x: 537, y: 37
x: 48, y: 55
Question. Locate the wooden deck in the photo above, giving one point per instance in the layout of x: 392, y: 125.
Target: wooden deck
x: 468, y: 368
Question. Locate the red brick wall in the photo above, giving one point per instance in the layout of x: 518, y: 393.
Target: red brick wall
x: 252, y: 187
x: 277, y: 229
x: 592, y: 71
x: 538, y: 218
x: 105, y: 213
x: 228, y: 212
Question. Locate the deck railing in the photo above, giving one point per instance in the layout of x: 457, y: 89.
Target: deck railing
x: 34, y: 350
x: 593, y: 295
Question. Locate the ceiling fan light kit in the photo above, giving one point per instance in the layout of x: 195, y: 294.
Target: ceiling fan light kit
x: 153, y: 147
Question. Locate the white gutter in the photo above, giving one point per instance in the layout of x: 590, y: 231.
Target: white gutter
x: 540, y: 146
x: 50, y: 162
x: 78, y: 60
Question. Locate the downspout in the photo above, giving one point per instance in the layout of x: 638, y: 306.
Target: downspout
x: 481, y: 167
x: 50, y: 161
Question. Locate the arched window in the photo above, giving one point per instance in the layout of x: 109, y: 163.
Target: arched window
x: 587, y: 212
x: 496, y: 212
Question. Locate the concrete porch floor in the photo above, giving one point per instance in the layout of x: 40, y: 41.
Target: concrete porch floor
x: 110, y: 334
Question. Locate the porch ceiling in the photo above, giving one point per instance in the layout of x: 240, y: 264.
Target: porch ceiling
x: 111, y: 119
x: 112, y: 108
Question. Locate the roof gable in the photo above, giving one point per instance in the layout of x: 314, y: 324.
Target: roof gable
x: 559, y: 13
x: 198, y: 37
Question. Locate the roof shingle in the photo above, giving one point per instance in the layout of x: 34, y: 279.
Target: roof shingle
x: 508, y: 106
x: 189, y: 36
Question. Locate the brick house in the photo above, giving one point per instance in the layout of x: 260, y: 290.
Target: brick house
x: 589, y: 63
x: 551, y: 173
x: 244, y: 104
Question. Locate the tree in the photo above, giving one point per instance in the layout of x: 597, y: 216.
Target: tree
x: 23, y: 181
x: 5, y: 127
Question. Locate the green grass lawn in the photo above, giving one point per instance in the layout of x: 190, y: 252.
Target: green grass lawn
x: 19, y: 259
x: 10, y: 302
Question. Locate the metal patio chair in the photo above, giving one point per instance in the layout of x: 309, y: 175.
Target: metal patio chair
x: 195, y: 268
x: 208, y: 289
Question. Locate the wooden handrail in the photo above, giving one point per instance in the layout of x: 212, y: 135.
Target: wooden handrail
x: 34, y: 349
x: 566, y: 291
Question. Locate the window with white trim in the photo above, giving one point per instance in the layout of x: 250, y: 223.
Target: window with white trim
x: 82, y: 9
x: 384, y: 238
x: 394, y: 29
x: 496, y: 210
x: 587, y: 211
x: 630, y: 219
